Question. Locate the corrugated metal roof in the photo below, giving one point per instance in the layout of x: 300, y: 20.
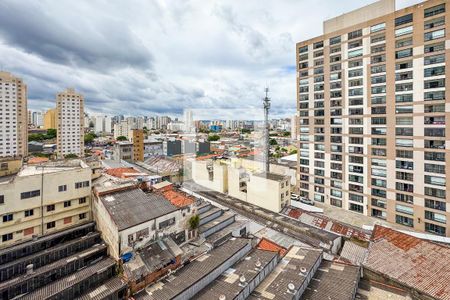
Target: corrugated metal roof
x: 353, y: 253
x: 412, y: 262
x: 132, y: 207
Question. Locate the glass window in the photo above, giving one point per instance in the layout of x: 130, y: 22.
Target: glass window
x: 433, y: 35
x: 403, y: 31
x: 434, y: 47
x: 355, y: 34
x: 436, y: 71
x: 404, y: 20
x: 435, y: 10
x: 434, y: 23
x: 378, y: 27
x: 355, y: 53
x: 403, y: 53
x: 335, y: 40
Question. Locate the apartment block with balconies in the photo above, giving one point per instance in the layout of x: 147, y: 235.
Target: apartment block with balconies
x: 372, y: 110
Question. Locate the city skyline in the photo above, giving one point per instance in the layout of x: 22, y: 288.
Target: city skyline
x: 245, y: 48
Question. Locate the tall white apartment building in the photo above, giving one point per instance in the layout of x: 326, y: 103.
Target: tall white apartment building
x: 70, y: 119
x: 108, y: 124
x: 122, y: 129
x: 99, y: 124
x: 188, y: 121
x: 372, y: 108
x: 37, y: 118
x: 13, y: 116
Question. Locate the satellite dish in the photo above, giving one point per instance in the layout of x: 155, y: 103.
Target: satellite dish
x: 291, y: 286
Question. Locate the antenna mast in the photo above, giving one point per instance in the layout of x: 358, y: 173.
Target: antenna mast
x: 266, y: 102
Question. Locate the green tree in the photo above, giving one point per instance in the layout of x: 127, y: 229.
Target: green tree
x: 35, y: 137
x: 273, y: 142
x: 51, y: 133
x: 121, y: 138
x: 286, y: 133
x: 194, y: 222
x: 89, y: 138
x: 70, y: 155
x: 293, y: 152
x: 213, y: 138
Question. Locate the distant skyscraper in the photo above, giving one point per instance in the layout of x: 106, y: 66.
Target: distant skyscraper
x: 99, y: 124
x: 37, y: 119
x: 108, y: 124
x: 70, y: 119
x: 121, y: 129
x: 13, y: 116
x: 188, y: 121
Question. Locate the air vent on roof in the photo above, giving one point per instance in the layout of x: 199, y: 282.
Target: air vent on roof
x: 242, y: 281
x: 109, y: 198
x: 291, y: 288
x: 222, y: 297
x: 303, y: 270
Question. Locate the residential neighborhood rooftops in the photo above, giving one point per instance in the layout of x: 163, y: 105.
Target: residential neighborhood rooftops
x: 333, y: 281
x: 124, y: 172
x: 293, y: 270
x: 189, y: 275
x: 229, y: 283
x: 131, y: 207
x: 412, y: 262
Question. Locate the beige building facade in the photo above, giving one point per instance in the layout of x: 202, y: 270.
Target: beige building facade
x: 43, y: 199
x: 13, y: 116
x: 244, y: 182
x: 70, y: 121
x: 372, y: 110
x: 50, y: 119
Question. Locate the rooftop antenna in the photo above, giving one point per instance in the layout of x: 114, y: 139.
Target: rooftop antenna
x: 266, y: 102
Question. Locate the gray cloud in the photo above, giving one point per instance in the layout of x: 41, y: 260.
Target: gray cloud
x: 160, y: 57
x: 91, y: 41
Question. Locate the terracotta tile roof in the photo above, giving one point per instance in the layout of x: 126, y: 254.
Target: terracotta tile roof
x: 325, y: 223
x: 122, y: 172
x: 177, y: 198
x: 206, y: 156
x: 37, y: 160
x: 268, y: 245
x: 412, y: 262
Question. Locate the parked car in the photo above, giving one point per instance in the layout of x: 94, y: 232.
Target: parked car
x: 295, y: 197
x: 306, y: 201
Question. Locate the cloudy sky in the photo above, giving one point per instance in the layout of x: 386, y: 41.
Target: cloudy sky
x: 147, y: 57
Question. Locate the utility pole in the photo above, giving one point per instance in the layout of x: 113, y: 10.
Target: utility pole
x: 266, y: 102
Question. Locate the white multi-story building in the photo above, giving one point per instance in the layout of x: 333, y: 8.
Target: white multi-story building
x: 13, y: 116
x: 188, y: 121
x: 99, y: 124
x: 37, y: 118
x: 108, y: 124
x: 70, y: 119
x: 121, y: 129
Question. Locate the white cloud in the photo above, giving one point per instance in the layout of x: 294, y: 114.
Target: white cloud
x: 145, y: 57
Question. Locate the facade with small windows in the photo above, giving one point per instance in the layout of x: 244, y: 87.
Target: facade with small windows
x: 70, y: 123
x: 372, y: 110
x: 13, y: 116
x: 130, y: 218
x: 44, y: 199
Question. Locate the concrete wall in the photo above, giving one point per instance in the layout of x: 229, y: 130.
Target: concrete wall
x: 267, y: 193
x: 200, y: 175
x: 363, y: 14
x: 106, y: 226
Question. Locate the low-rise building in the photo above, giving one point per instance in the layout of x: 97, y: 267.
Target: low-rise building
x: 264, y: 189
x: 123, y: 151
x: 10, y: 165
x: 44, y: 198
x: 129, y: 218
